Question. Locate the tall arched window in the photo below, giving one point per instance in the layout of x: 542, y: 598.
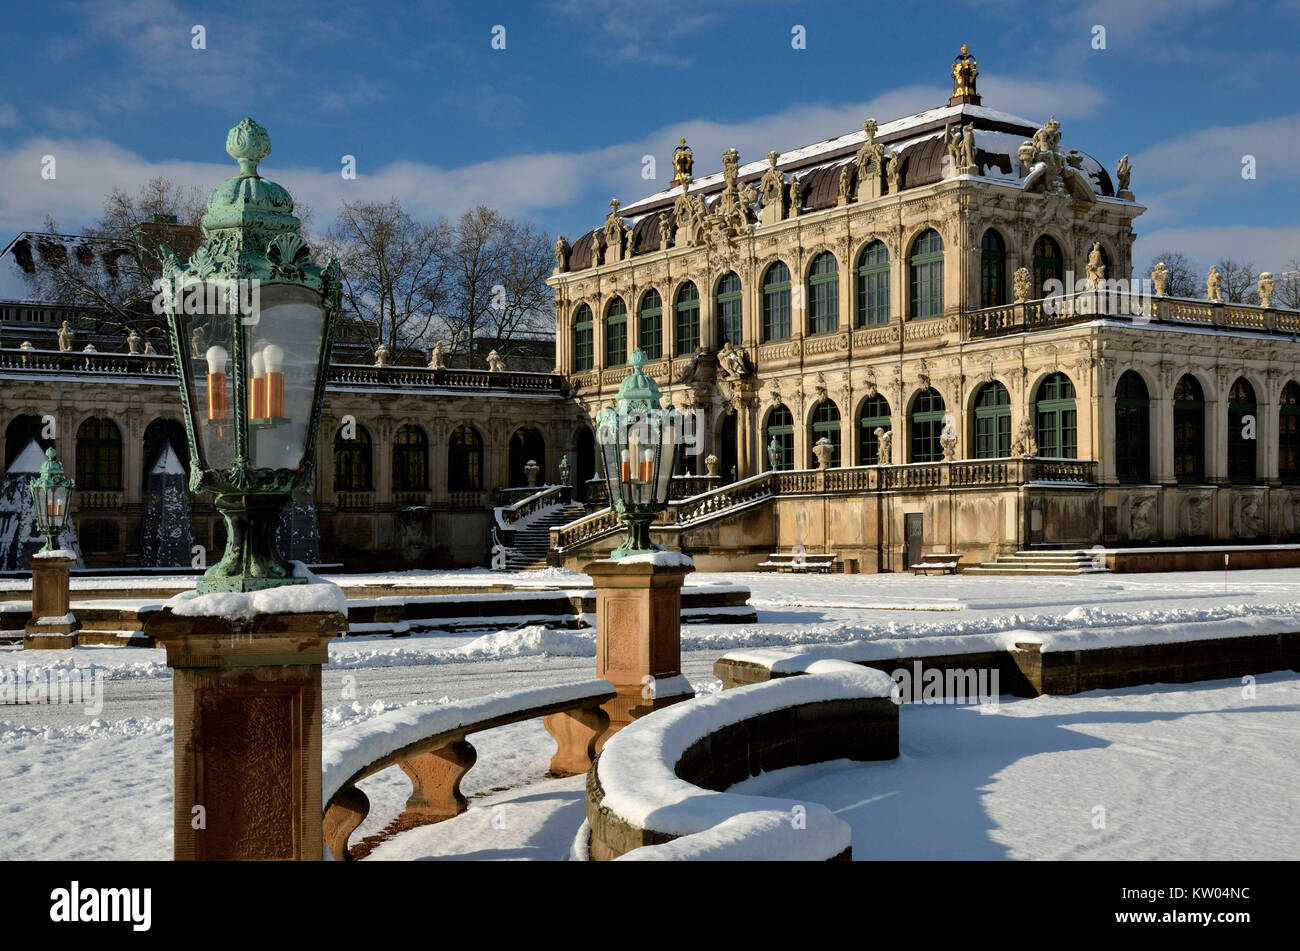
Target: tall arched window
x: 823, y: 294
x: 992, y: 421
x: 776, y: 302
x: 99, y: 455
x: 1243, y: 424
x: 465, y: 460
x: 873, y: 415
x: 1189, y: 431
x: 927, y: 423
x: 730, y: 307
x: 993, y: 269
x: 1288, y: 435
x: 1132, y: 429
x: 527, y: 444
x: 1058, y: 419
x: 873, y: 285
x: 616, y: 333
x: 650, y: 332
x: 410, y: 459
x: 687, y: 324
x: 158, y: 434
x: 1049, y: 264
x: 19, y: 434
x: 584, y: 351
x: 825, y: 424
x: 925, y: 275
x: 780, y: 426
x: 353, y: 463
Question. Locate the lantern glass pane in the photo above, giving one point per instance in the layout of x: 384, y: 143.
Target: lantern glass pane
x: 282, y: 343
x: 206, y: 320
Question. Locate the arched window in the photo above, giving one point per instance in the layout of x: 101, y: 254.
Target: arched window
x: 99, y: 455
x: 993, y: 269
x: 688, y: 318
x: 1058, y: 419
x: 1049, y: 264
x: 1132, y: 429
x: 1189, y: 431
x: 780, y: 426
x: 925, y: 275
x: 650, y: 333
x: 825, y: 424
x: 873, y: 415
x: 728, y: 456
x: 526, y: 444
x: 1243, y: 422
x: 584, y: 352
x: 410, y: 459
x: 823, y: 294
x: 465, y: 460
x: 353, y: 469
x: 730, y: 310
x: 927, y: 423
x: 873, y: 285
x: 1288, y: 435
x: 776, y: 302
x: 157, y: 435
x: 616, y: 333
x: 992, y: 421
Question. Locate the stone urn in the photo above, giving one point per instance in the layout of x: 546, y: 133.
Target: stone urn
x: 711, y: 466
x: 823, y: 449
x: 531, y: 468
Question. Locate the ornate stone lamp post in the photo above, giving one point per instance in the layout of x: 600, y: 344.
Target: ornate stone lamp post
x: 52, y: 624
x: 252, y: 323
x: 638, y: 588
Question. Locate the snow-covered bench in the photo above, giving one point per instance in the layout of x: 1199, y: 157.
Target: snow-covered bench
x: 428, y: 743
x: 944, y: 562
x: 801, y: 561
x: 653, y: 793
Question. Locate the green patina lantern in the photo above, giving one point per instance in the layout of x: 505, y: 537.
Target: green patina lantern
x: 51, y: 499
x: 252, y: 324
x: 639, y: 441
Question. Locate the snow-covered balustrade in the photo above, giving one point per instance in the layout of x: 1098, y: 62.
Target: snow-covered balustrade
x: 509, y: 517
x: 428, y: 744
x: 658, y: 789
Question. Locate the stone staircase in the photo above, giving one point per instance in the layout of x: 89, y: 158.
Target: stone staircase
x: 533, y: 541
x: 1028, y: 563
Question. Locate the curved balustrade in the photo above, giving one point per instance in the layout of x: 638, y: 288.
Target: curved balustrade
x: 507, y: 516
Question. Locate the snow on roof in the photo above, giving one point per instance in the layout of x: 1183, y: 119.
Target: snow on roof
x: 14, y: 286
x: 30, y: 459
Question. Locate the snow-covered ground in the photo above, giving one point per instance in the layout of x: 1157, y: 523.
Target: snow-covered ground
x: 97, y: 783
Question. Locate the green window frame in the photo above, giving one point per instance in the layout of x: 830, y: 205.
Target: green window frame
x: 825, y: 422
x: 993, y: 269
x: 873, y: 285
x: 1058, y: 418
x: 777, y: 322
x: 992, y: 422
x: 616, y: 333
x: 687, y: 319
x: 874, y: 413
x: 824, y: 294
x: 1132, y: 429
x: 780, y: 426
x: 925, y: 275
x: 928, y: 411
x: 650, y: 325
x: 1242, y: 457
x: 731, y: 308
x: 1288, y: 435
x: 584, y: 349
x: 1189, y: 432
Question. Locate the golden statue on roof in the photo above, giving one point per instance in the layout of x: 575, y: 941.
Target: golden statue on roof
x: 683, y: 162
x: 964, y: 70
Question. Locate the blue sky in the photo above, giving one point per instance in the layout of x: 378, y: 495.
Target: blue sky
x: 557, y: 122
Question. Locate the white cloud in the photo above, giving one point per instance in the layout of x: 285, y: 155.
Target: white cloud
x: 8, y: 114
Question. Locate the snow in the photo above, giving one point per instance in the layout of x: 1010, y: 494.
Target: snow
x: 168, y: 463
x: 317, y: 595
x: 61, y: 619
x: 56, y: 553
x: 29, y: 460
x: 660, y: 559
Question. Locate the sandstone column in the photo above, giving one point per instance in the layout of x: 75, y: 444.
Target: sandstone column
x: 50, y: 602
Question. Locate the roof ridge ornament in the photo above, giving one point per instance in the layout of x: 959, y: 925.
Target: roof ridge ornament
x: 683, y: 162
x: 965, y: 70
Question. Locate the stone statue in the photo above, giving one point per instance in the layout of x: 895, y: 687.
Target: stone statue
x: 1141, y: 519
x: 196, y: 343
x: 732, y: 362
x: 1196, y: 517
x: 772, y: 185
x: 1250, y: 523
x: 436, y: 361
x: 870, y: 159
x: 561, y: 255
x: 844, y: 185
x: 1020, y: 285
x: 495, y: 363
x: 730, y: 168
x: 884, y: 446
x: 1265, y: 289
x: 823, y: 449
x: 796, y: 197
x: 1160, y: 278
x: 1096, y: 271
x: 133, y: 342
x: 613, y: 228
x: 595, y: 248
x: 148, y: 346
x: 1025, y: 444
x: 683, y: 162
x: 1214, y: 285
x: 952, y: 142
x: 627, y: 252
x: 1028, y: 155
x: 1048, y: 137
x: 894, y: 171
x: 665, y: 232
x: 967, y: 152
x: 381, y: 355
x: 1123, y: 172
x: 948, y: 438
x: 89, y: 348
x: 65, y: 337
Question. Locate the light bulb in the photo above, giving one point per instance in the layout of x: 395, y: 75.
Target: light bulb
x: 273, y: 356
x: 259, y: 368
x: 217, y: 360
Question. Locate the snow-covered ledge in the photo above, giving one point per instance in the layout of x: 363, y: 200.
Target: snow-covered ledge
x: 651, y: 794
x: 317, y: 596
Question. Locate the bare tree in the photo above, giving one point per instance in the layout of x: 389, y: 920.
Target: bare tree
x: 1183, y: 279
x: 1239, y: 281
x: 1287, y: 292
x: 394, y: 272
x: 497, y: 280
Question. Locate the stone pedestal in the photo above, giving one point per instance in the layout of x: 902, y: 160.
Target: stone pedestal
x: 50, y: 600
x: 246, y: 697
x: 638, y: 636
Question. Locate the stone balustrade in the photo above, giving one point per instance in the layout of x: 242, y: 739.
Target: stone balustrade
x: 507, y: 516
x: 429, y: 744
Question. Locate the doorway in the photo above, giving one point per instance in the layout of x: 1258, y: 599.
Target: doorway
x: 913, y: 536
